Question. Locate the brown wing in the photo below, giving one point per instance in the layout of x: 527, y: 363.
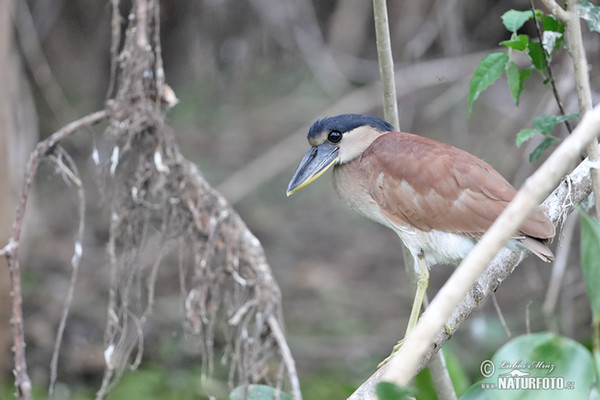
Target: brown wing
x: 432, y: 185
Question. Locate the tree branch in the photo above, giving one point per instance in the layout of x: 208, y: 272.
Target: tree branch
x: 557, y: 10
x: 386, y: 63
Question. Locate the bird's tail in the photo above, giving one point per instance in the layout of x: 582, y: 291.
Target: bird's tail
x: 538, y: 247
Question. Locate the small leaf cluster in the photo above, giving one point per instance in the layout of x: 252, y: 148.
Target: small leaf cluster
x: 539, y: 52
x: 497, y: 63
x: 543, y: 125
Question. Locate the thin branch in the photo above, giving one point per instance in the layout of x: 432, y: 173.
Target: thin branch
x: 500, y: 314
x: 386, y: 63
x: 11, y: 251
x: 141, y: 14
x: 70, y: 170
x: 286, y: 355
x: 558, y: 269
x: 441, y: 377
x: 115, y: 32
x: 557, y: 10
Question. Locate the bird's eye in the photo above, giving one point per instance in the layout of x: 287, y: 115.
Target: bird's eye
x: 334, y: 136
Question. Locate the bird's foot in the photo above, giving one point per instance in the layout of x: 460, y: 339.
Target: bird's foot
x: 394, y: 350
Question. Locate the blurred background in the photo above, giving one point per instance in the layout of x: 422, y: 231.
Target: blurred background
x: 251, y: 77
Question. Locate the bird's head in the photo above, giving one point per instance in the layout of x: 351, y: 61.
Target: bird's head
x: 335, y: 140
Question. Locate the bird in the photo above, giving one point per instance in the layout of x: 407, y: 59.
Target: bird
x: 437, y: 198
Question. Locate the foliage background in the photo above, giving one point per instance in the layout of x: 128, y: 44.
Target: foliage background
x: 251, y: 75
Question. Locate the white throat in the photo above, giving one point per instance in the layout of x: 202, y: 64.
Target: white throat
x: 355, y: 142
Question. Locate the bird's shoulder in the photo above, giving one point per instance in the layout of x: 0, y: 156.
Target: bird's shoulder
x: 433, y: 185
x: 427, y: 164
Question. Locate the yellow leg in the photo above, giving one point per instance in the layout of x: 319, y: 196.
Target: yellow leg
x: 422, y: 283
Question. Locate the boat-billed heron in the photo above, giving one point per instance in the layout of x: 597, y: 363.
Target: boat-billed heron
x: 437, y: 198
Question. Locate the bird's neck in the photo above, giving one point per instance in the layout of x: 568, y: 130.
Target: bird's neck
x: 356, y: 142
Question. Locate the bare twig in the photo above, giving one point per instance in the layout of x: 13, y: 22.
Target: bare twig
x: 286, y: 355
x: 441, y: 377
x: 141, y: 13
x: 500, y: 314
x: 115, y: 31
x: 556, y: 9
x: 559, y: 267
x: 11, y: 251
x: 68, y: 167
x: 386, y: 63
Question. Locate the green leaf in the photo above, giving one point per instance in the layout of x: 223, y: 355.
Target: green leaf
x: 591, y: 14
x: 515, y: 80
x: 546, y: 123
x: 547, y: 355
x: 537, y: 152
x: 514, y: 83
x: 513, y: 20
x: 536, y: 55
x: 390, y: 391
x: 590, y: 260
x: 257, y: 392
x: 526, y: 134
x: 550, y: 23
x: 456, y: 370
x: 518, y: 42
x: 542, y: 359
x: 524, y: 74
x: 488, y: 70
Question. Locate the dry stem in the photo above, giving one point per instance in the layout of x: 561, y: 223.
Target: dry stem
x: 11, y: 251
